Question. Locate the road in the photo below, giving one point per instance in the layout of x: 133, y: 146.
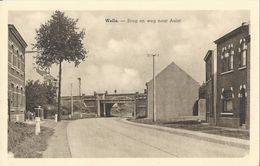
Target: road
x: 110, y: 137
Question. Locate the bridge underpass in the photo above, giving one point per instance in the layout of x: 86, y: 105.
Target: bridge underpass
x: 104, y: 108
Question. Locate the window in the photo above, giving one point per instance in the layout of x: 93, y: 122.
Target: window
x: 18, y: 62
x: 227, y: 63
x: 231, y: 62
x: 242, y: 53
x: 9, y: 56
x: 228, y: 105
x: 14, y: 60
x: 12, y: 98
x: 21, y: 62
x: 243, y: 58
x: 21, y: 67
x: 21, y: 103
x: 17, y: 96
x: 227, y: 96
x: 17, y: 59
x: 227, y: 58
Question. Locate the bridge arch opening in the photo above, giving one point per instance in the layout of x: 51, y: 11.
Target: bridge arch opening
x: 116, y: 109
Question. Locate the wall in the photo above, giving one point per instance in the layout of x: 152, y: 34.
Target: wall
x: 202, y: 108
x: 210, y: 80
x: 176, y: 93
x: 141, y: 106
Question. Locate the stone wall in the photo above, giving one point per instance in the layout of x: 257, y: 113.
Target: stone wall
x: 141, y: 107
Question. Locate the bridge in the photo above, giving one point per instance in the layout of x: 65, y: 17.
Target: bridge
x: 102, y: 103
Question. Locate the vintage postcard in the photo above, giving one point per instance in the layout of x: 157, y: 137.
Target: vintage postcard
x: 119, y: 83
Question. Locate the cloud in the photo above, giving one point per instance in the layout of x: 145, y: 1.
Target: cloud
x: 149, y: 40
x: 117, y: 56
x: 102, y: 78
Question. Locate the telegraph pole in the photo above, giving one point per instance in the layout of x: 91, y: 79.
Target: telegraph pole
x: 71, y: 98
x: 79, y: 86
x: 154, y: 87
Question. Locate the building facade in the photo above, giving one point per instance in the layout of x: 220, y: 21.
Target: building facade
x: 16, y: 74
x: 176, y: 94
x: 232, y: 89
x: 210, y: 87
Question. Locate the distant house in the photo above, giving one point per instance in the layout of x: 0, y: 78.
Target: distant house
x: 34, y: 72
x: 176, y: 94
x: 16, y: 74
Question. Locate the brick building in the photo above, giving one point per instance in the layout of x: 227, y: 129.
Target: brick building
x: 16, y: 74
x: 176, y: 94
x: 229, y: 88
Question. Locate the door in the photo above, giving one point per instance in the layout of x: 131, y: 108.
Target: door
x: 242, y: 107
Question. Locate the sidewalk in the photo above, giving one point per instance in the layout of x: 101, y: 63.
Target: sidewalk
x: 198, y: 135
x: 58, y: 144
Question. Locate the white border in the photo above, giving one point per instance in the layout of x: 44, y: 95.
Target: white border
x: 251, y: 5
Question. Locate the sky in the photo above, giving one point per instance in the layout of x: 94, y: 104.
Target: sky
x: 117, y: 52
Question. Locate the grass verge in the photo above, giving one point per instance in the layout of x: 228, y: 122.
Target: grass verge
x: 23, y: 142
x: 200, y: 127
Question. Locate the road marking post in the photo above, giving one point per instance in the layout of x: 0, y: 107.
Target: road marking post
x: 37, y: 126
x: 56, y: 118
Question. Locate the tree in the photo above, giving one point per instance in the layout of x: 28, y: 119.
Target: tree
x: 39, y: 94
x: 59, y: 40
x: 51, y: 90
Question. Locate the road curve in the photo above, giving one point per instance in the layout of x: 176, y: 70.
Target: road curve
x: 109, y: 137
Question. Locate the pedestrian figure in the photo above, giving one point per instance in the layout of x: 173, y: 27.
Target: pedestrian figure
x: 33, y: 116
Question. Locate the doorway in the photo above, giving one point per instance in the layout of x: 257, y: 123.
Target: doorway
x: 242, y: 113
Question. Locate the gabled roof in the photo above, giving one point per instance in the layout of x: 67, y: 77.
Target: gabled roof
x: 242, y: 28
x: 17, y: 35
x: 180, y: 69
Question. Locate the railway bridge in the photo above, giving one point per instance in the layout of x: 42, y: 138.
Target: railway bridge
x: 102, y: 103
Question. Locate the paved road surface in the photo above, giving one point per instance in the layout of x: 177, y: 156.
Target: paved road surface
x: 110, y: 137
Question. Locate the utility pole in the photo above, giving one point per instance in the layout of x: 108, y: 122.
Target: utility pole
x: 71, y: 98
x: 79, y: 86
x: 154, y: 87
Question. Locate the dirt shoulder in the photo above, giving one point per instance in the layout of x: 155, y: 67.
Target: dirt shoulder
x: 199, y: 127
x: 23, y: 143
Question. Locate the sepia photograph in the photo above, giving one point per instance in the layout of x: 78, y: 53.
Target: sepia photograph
x: 98, y: 84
